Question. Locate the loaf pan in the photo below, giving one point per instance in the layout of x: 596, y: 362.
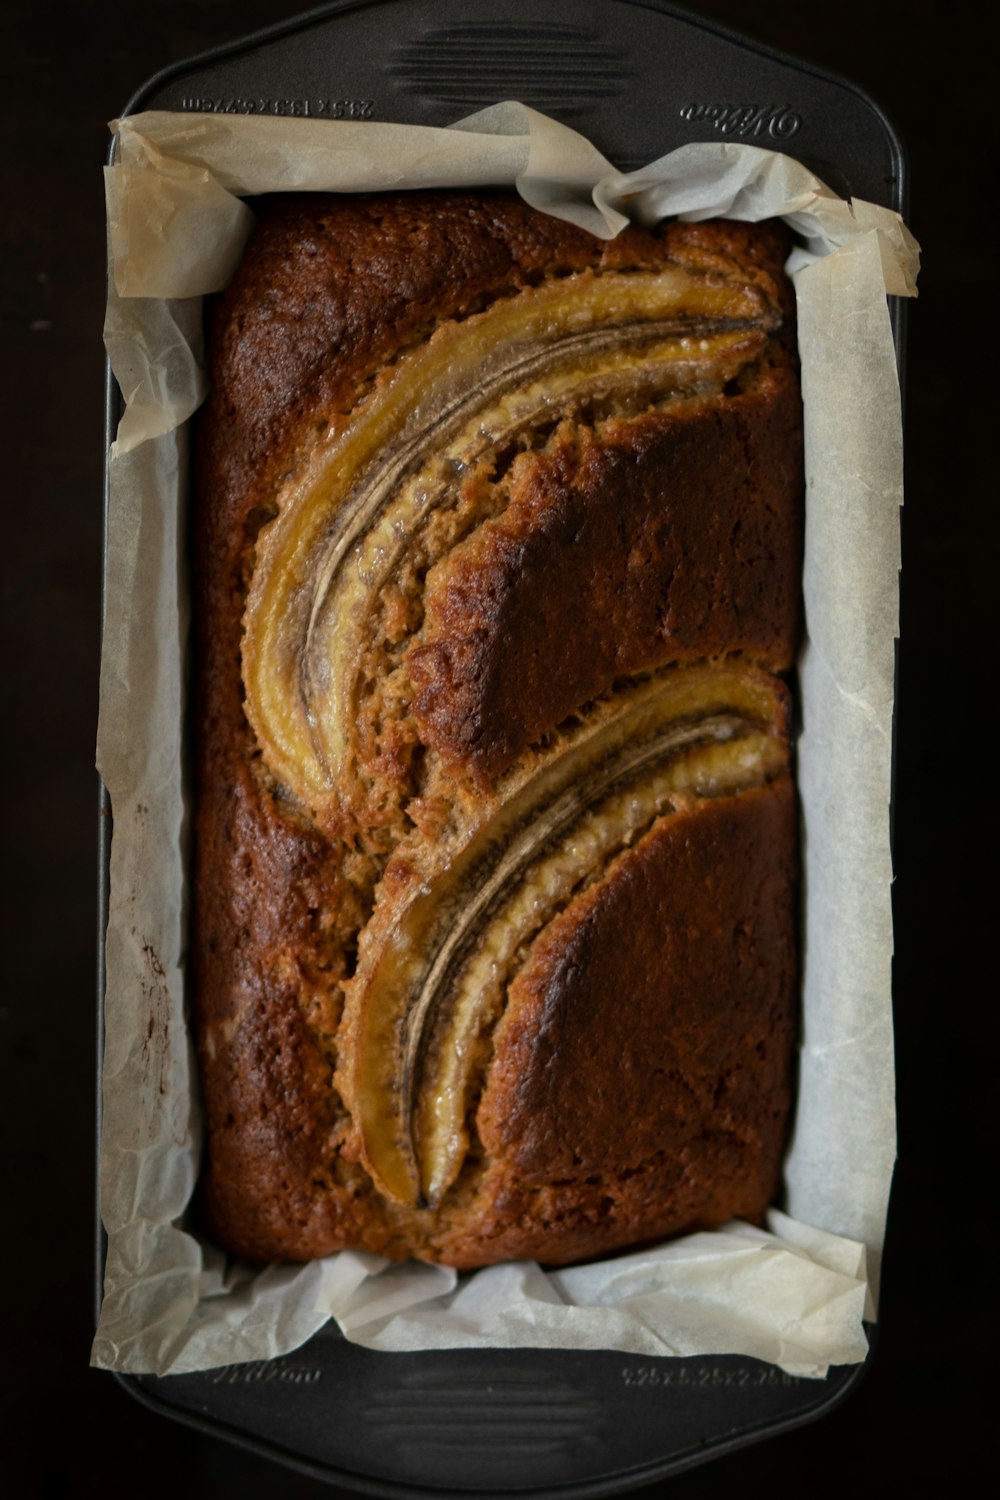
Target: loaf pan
x: 637, y: 78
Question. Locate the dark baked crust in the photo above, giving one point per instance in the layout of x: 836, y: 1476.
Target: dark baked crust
x: 329, y: 292
x: 602, y: 532
x: 681, y: 966
x: 332, y: 288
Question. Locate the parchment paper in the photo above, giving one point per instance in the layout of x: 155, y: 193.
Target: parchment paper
x: 795, y: 1294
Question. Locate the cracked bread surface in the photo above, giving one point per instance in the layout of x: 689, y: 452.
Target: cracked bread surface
x: 611, y: 548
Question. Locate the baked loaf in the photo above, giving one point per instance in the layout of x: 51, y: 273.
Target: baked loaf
x: 497, y: 557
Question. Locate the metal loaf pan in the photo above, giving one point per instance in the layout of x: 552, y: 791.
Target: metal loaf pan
x: 638, y: 78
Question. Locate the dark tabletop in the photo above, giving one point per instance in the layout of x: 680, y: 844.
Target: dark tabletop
x: 920, y: 1415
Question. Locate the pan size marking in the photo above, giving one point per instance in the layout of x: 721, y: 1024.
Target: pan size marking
x: 706, y: 1377
x: 321, y: 109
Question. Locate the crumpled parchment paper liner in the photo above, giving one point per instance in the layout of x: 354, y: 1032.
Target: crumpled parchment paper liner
x: 799, y: 1303
x: 794, y: 1294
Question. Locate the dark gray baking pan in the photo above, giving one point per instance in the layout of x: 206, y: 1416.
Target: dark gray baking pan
x: 638, y: 78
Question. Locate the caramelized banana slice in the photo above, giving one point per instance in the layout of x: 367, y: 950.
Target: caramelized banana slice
x: 340, y: 530
x: 435, y: 981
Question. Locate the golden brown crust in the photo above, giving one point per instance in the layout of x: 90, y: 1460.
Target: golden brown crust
x: 330, y: 291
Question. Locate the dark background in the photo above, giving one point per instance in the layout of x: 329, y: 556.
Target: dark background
x: 921, y: 1414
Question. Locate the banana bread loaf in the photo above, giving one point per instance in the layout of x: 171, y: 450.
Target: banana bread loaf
x: 497, y: 549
